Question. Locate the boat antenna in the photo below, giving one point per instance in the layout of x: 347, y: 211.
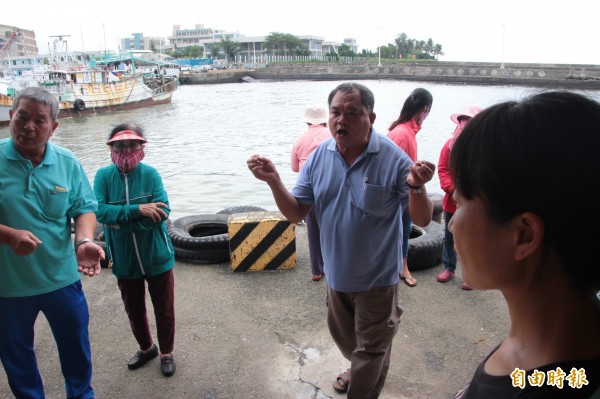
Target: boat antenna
x: 81, y: 32
x: 104, y: 31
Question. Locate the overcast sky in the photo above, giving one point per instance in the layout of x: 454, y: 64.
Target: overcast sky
x: 544, y: 31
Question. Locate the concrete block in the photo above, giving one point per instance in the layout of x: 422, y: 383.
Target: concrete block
x: 261, y: 241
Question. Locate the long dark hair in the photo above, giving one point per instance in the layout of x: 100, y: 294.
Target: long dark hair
x: 418, y: 99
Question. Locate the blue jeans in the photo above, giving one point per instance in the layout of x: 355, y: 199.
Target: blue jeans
x: 67, y: 313
x: 448, y: 254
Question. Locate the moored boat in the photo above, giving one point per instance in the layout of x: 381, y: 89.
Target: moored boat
x: 94, y: 87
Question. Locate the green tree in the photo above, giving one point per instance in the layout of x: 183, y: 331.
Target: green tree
x: 437, y: 51
x: 420, y: 49
x: 214, y: 51
x: 388, y: 51
x: 284, y: 44
x: 195, y: 51
x: 345, y: 51
x: 230, y: 48
x: 404, y: 45
x: 429, y: 46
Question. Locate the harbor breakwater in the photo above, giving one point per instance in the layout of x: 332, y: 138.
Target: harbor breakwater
x: 577, y: 77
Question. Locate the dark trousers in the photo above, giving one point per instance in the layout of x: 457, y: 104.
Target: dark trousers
x: 67, y: 313
x: 314, y: 243
x: 363, y: 326
x: 161, y: 289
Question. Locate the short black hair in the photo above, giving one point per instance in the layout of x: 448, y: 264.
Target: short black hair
x: 366, y: 95
x: 538, y: 155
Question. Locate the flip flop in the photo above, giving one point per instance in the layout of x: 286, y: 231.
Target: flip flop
x: 410, y: 281
x: 342, y: 381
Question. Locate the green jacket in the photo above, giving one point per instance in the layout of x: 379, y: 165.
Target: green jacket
x: 135, y: 244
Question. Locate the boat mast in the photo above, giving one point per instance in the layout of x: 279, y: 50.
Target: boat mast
x: 60, y: 50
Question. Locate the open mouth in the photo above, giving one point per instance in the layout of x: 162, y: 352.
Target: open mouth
x: 342, y: 132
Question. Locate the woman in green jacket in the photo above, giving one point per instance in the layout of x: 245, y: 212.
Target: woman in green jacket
x: 133, y: 206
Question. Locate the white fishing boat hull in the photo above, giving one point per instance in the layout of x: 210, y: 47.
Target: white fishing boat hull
x: 79, y: 99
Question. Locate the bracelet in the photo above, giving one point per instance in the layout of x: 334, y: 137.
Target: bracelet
x: 414, y: 187
x: 81, y: 242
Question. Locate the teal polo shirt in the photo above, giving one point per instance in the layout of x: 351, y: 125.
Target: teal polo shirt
x: 41, y: 200
x: 359, y: 210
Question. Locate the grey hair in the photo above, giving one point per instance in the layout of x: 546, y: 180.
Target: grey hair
x: 40, y: 96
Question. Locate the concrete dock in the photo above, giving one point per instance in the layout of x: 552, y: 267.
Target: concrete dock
x: 264, y: 335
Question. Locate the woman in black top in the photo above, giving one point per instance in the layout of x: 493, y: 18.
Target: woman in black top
x: 525, y: 177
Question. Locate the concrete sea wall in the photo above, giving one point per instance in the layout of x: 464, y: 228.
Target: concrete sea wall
x: 577, y: 77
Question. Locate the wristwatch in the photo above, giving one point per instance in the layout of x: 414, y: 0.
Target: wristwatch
x: 81, y: 242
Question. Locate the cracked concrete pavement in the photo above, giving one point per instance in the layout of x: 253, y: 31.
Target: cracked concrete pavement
x: 264, y: 335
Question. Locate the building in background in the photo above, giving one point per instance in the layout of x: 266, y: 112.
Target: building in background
x: 22, y: 51
x: 198, y: 36
x: 138, y: 41
x: 332, y: 48
x: 17, y: 42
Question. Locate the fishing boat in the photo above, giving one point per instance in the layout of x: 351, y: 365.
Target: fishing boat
x: 96, y: 86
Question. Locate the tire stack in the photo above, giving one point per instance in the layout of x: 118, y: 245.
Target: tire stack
x: 425, y: 246
x: 437, y: 200
x: 203, y: 239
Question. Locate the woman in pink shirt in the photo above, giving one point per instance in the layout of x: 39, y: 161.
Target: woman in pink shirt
x: 403, y: 132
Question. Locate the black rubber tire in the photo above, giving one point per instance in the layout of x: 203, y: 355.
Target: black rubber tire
x: 200, y: 232
x: 202, y: 257
x: 79, y: 104
x: 438, y: 200
x: 425, y: 246
x: 240, y: 209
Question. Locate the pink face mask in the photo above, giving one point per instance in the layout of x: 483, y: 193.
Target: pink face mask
x: 422, y: 117
x: 127, y: 161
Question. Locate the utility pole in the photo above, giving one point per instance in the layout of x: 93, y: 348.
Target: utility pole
x: 379, y: 45
x: 503, y: 31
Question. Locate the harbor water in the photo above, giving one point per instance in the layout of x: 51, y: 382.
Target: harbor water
x: 200, y: 142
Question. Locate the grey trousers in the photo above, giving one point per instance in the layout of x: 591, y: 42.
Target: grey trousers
x: 314, y: 243
x: 363, y: 326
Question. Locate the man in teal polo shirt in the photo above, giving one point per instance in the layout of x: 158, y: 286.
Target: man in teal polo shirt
x: 358, y: 183
x: 43, y: 186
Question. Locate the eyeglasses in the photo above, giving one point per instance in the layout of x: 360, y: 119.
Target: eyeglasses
x: 124, y: 145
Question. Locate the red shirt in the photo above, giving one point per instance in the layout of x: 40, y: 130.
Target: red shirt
x: 446, y: 183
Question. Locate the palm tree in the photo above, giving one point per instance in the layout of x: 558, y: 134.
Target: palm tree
x: 230, y: 48
x: 214, y: 51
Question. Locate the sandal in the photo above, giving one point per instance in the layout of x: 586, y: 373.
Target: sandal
x: 410, y: 281
x: 342, y: 381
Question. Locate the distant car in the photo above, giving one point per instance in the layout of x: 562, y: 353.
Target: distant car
x: 186, y: 68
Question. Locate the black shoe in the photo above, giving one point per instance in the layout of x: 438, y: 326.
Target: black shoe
x: 140, y: 358
x: 167, y: 365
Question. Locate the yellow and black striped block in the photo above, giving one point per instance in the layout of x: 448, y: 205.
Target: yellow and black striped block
x: 261, y: 241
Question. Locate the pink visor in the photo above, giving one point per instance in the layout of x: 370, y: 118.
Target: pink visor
x: 126, y: 135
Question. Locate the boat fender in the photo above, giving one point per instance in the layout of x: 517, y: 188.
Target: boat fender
x: 79, y: 104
